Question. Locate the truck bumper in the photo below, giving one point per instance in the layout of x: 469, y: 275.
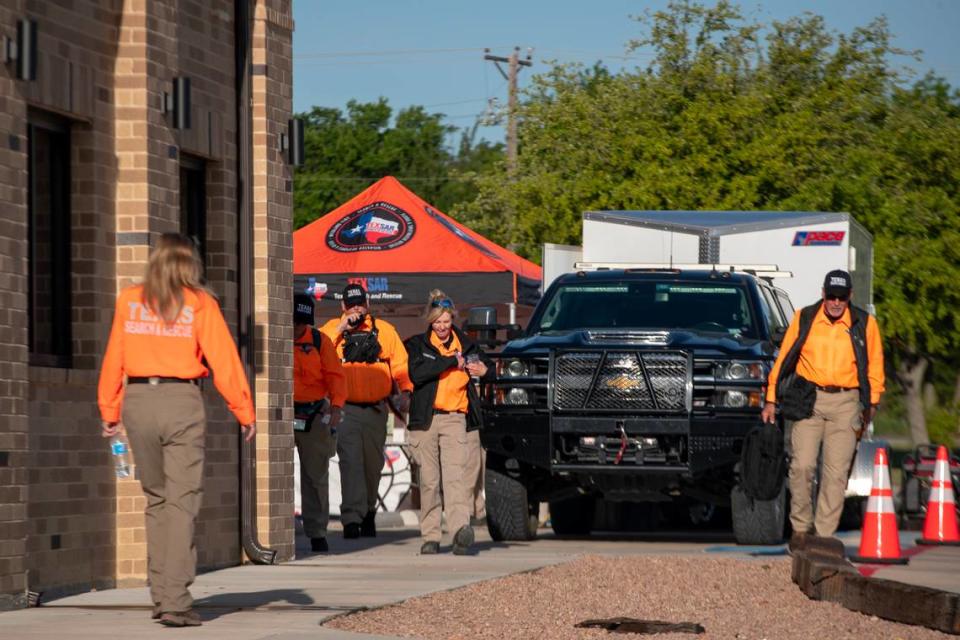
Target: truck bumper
x: 684, y: 446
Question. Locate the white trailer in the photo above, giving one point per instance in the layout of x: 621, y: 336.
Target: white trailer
x: 808, y: 244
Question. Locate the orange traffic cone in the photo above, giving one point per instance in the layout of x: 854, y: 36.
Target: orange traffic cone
x: 879, y: 539
x: 940, y: 526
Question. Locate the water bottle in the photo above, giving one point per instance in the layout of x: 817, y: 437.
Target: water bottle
x: 121, y: 459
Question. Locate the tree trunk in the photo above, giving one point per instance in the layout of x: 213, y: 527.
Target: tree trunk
x: 929, y: 396
x: 911, y: 371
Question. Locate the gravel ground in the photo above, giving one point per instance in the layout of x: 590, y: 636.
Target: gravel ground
x: 731, y: 598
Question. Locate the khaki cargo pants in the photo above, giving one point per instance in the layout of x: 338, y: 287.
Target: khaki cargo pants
x: 361, y: 437
x: 835, y: 423
x: 476, y: 462
x: 166, y: 425
x: 315, y: 448
x: 441, y: 452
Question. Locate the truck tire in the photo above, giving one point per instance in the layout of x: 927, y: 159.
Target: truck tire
x: 510, y: 515
x: 573, y: 516
x: 758, y: 521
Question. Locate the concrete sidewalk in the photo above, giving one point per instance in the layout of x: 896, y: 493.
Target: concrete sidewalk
x: 289, y: 601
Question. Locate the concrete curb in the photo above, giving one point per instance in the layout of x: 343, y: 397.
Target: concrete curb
x: 822, y: 574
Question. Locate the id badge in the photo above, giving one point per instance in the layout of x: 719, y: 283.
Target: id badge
x: 299, y: 424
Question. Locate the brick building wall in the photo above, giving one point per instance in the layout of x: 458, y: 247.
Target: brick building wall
x: 66, y: 523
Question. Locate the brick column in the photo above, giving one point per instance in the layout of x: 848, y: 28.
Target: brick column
x: 13, y: 329
x: 146, y: 198
x: 272, y: 93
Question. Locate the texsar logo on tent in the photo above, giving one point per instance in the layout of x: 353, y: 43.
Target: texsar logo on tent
x: 316, y: 289
x: 376, y: 227
x: 818, y: 238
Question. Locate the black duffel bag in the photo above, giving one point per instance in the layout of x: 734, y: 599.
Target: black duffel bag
x: 796, y: 396
x: 763, y: 462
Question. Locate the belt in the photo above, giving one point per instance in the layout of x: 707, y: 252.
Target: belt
x: 365, y: 405
x: 160, y: 380
x: 834, y: 389
x: 441, y: 412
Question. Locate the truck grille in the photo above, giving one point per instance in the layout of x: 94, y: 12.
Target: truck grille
x: 654, y: 381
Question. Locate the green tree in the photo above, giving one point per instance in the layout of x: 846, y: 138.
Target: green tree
x: 734, y: 115
x: 346, y: 152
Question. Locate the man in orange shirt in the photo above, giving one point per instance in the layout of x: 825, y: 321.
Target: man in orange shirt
x: 836, y: 347
x: 374, y: 361
x: 319, y: 391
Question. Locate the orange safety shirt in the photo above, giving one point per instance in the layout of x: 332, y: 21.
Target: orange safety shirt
x: 373, y: 382
x: 452, y: 388
x: 143, y: 345
x: 826, y: 358
x: 317, y: 374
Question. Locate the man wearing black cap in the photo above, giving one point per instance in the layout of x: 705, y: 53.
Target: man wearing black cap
x: 375, y: 361
x: 319, y: 391
x: 834, y: 349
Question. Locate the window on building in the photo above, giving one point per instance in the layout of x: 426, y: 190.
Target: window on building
x: 48, y: 202
x: 193, y: 202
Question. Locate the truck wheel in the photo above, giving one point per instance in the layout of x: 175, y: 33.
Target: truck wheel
x: 758, y: 521
x: 573, y: 516
x: 510, y: 515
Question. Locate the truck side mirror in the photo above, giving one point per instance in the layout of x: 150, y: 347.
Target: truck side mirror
x: 483, y: 321
x: 777, y: 336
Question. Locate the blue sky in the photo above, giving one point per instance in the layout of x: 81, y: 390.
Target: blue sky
x: 430, y: 52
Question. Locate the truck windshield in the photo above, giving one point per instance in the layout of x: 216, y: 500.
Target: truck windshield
x: 697, y: 306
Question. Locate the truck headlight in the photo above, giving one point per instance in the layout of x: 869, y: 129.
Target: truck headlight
x: 512, y: 396
x: 740, y: 399
x: 512, y: 368
x: 741, y: 371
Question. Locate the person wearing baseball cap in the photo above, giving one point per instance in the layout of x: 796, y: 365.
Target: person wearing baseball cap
x: 319, y: 391
x: 375, y: 361
x: 834, y: 350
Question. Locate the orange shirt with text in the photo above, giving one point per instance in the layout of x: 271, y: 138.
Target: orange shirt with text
x: 143, y: 345
x: 317, y: 374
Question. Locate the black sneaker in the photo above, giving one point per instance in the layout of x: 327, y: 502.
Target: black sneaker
x: 368, y: 528
x: 462, y: 540
x: 319, y: 545
x: 351, y: 530
x: 430, y: 548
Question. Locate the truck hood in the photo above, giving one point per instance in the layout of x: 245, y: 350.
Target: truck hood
x: 700, y: 343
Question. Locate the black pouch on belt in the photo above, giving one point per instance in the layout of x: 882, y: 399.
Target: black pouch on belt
x: 797, y: 397
x: 305, y: 412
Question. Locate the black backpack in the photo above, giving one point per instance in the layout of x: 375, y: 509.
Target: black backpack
x: 362, y: 346
x: 763, y: 463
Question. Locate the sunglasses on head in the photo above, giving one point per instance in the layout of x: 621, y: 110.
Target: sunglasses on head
x: 443, y: 303
x: 841, y: 297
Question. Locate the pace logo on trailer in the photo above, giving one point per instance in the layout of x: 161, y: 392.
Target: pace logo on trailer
x: 818, y: 238
x: 376, y: 227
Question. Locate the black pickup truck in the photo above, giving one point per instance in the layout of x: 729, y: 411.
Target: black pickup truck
x: 632, y: 387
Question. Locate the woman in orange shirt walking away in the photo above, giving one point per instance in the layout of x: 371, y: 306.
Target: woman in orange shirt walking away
x: 162, y: 331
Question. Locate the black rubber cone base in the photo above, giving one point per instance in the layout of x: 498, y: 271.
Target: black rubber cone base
x: 937, y: 543
x: 863, y: 560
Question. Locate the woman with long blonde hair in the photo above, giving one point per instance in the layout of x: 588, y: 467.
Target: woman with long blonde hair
x: 162, y: 331
x: 443, y: 409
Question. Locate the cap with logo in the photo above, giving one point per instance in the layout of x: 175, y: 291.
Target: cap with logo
x: 302, y: 309
x: 354, y: 295
x: 838, y: 283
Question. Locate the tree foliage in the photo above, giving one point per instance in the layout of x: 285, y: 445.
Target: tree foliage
x: 347, y: 152
x: 734, y: 115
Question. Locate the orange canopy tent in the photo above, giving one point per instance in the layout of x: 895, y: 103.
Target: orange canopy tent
x: 400, y: 247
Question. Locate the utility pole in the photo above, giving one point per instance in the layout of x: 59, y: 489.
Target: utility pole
x: 514, y: 63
